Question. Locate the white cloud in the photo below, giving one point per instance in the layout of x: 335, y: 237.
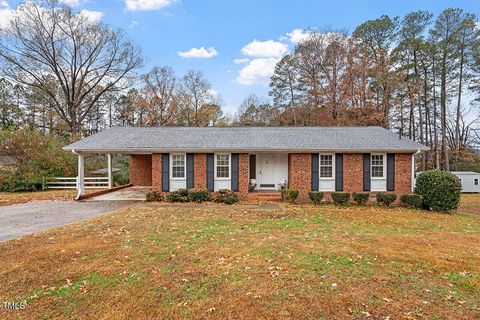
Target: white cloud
x: 146, y: 5
x: 91, y: 16
x: 73, y: 3
x: 133, y: 24
x: 6, y: 15
x: 297, y: 35
x: 257, y: 71
x: 4, y: 4
x: 265, y: 49
x: 198, y: 53
x: 241, y: 60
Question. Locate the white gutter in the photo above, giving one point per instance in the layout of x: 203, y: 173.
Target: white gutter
x: 413, y: 169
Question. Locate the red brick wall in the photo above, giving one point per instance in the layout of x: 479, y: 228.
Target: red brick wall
x: 403, y: 173
x: 141, y: 169
x: 352, y: 172
x: 243, y: 174
x: 300, y: 174
x: 157, y: 172
x: 200, y: 170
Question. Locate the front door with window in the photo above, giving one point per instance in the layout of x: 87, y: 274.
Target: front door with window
x: 267, y: 172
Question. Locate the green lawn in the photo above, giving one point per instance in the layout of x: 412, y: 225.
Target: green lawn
x: 232, y: 262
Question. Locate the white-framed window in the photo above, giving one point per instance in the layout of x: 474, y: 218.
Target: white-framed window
x: 377, y: 166
x: 475, y: 182
x: 222, y: 166
x: 178, y: 166
x: 327, y: 166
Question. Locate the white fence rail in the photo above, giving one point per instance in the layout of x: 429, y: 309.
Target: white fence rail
x: 71, y: 182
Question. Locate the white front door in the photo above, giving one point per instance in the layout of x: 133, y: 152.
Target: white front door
x: 267, y: 171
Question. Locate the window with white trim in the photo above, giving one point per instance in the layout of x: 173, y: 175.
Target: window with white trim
x: 222, y: 166
x: 475, y: 182
x: 377, y: 165
x: 326, y: 166
x: 178, y: 166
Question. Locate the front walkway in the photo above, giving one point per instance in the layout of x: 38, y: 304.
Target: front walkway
x: 22, y: 219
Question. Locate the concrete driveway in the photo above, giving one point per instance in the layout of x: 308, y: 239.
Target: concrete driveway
x: 22, y: 219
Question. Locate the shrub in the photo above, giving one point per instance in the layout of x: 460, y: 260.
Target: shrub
x: 154, y: 196
x: 340, y: 197
x: 35, y: 156
x: 181, y: 195
x: 412, y: 200
x: 198, y: 195
x: 226, y: 196
x: 315, y: 197
x: 289, y: 195
x: 386, y: 198
x: 440, y: 190
x: 360, y: 198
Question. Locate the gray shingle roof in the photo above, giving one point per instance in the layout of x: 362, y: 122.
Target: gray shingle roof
x: 158, y: 139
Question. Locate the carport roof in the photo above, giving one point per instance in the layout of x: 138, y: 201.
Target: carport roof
x: 211, y: 139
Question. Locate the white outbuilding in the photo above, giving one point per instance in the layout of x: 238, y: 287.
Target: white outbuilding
x: 470, y: 181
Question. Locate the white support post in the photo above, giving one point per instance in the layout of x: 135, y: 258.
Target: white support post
x: 80, y: 177
x: 110, y: 176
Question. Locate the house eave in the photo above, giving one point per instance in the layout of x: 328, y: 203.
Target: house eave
x: 242, y: 150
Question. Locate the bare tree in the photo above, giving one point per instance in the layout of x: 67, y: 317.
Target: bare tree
x: 86, y: 59
x: 160, y: 87
x: 195, y: 92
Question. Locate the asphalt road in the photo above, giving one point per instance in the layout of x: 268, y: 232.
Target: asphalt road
x: 26, y: 218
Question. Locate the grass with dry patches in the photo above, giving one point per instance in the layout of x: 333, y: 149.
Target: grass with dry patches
x: 229, y: 262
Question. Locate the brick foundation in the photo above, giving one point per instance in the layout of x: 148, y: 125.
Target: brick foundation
x: 141, y: 169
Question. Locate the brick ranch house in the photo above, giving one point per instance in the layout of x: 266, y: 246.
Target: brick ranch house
x: 256, y: 159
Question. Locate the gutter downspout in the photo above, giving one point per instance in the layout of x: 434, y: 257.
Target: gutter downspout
x: 413, y: 169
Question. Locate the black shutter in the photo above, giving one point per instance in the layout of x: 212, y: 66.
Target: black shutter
x: 210, y: 172
x: 366, y: 172
x: 339, y: 172
x: 391, y: 172
x: 253, y: 166
x: 165, y: 172
x: 315, y: 173
x: 190, y: 173
x: 235, y: 170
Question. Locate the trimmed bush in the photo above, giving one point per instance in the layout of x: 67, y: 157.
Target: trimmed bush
x: 198, y: 195
x: 154, y: 196
x: 315, y: 197
x: 412, y: 200
x: 386, y: 198
x: 226, y: 196
x: 360, y: 198
x: 289, y: 195
x: 440, y: 190
x: 181, y: 195
x: 340, y: 197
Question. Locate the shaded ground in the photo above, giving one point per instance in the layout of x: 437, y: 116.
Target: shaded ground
x: 21, y: 219
x: 9, y: 198
x: 303, y: 262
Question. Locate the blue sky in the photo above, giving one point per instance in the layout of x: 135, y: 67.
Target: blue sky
x: 163, y: 28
